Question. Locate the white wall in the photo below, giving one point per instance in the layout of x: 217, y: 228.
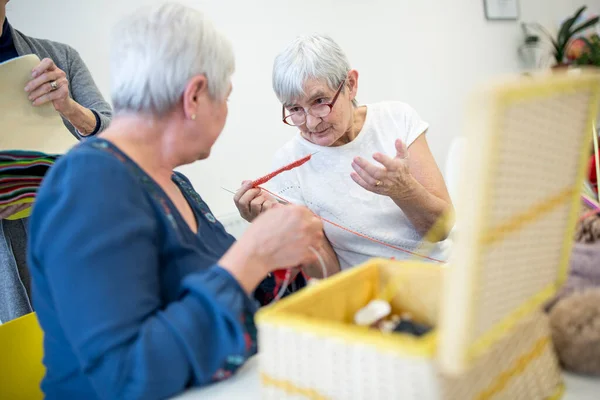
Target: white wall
x: 429, y: 53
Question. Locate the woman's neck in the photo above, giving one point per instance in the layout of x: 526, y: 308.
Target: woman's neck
x: 147, y: 142
x: 356, y: 124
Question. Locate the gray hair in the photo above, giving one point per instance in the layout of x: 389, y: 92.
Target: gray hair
x: 157, y: 50
x: 308, y: 57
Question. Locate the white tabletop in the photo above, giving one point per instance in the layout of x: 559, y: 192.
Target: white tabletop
x: 245, y: 385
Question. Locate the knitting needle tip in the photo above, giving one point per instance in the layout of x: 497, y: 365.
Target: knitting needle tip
x: 227, y: 190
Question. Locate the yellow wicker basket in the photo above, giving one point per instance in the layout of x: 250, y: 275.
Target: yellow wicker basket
x: 528, y: 141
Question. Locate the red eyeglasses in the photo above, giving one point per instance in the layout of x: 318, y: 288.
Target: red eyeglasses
x: 297, y: 116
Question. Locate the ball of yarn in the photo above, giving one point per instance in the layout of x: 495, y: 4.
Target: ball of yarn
x: 588, y: 230
x: 575, y: 323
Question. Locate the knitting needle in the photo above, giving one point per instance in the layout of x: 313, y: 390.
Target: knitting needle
x: 232, y: 192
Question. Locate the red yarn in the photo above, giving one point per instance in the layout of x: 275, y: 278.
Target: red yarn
x: 273, y: 174
x: 363, y: 236
x: 282, y: 273
x: 592, y: 171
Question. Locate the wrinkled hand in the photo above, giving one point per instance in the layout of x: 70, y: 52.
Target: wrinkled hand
x: 6, y: 212
x: 392, y: 179
x: 282, y: 236
x: 40, y: 89
x: 252, y: 201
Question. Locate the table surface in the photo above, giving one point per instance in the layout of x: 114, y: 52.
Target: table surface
x: 245, y: 385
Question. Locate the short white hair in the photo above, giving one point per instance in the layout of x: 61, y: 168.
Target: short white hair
x: 312, y: 56
x: 157, y: 50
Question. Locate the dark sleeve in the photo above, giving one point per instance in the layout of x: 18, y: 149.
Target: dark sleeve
x: 269, y: 288
x: 85, y: 92
x: 95, y: 241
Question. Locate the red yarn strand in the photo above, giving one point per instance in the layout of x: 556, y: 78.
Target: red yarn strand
x: 273, y: 174
x: 361, y: 235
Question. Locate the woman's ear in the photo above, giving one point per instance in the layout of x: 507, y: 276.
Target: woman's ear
x: 195, y: 90
x: 352, y: 82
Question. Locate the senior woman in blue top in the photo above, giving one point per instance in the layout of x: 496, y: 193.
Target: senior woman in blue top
x: 139, y: 290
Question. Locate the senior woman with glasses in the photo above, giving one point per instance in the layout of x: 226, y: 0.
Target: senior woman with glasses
x: 373, y: 177
x: 138, y: 288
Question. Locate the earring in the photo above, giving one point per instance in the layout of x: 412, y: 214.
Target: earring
x: 193, y: 117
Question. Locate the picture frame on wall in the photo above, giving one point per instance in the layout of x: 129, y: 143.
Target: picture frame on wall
x: 501, y: 10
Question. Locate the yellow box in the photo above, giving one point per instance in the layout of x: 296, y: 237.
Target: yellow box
x: 310, y: 349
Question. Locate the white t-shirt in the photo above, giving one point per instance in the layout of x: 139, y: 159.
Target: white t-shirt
x: 324, y: 185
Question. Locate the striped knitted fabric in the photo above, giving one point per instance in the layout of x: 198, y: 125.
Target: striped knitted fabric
x: 21, y: 173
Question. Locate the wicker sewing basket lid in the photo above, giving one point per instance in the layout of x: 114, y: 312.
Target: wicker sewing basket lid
x: 528, y: 142
x: 23, y: 126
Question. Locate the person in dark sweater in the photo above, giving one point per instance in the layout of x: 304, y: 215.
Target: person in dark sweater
x: 63, y: 79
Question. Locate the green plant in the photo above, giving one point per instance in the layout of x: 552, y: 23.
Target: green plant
x: 591, y: 53
x: 567, y: 32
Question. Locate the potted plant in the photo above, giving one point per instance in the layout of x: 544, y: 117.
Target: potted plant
x: 567, y: 34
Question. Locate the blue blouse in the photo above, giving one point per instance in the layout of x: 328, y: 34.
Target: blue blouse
x: 132, y: 302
